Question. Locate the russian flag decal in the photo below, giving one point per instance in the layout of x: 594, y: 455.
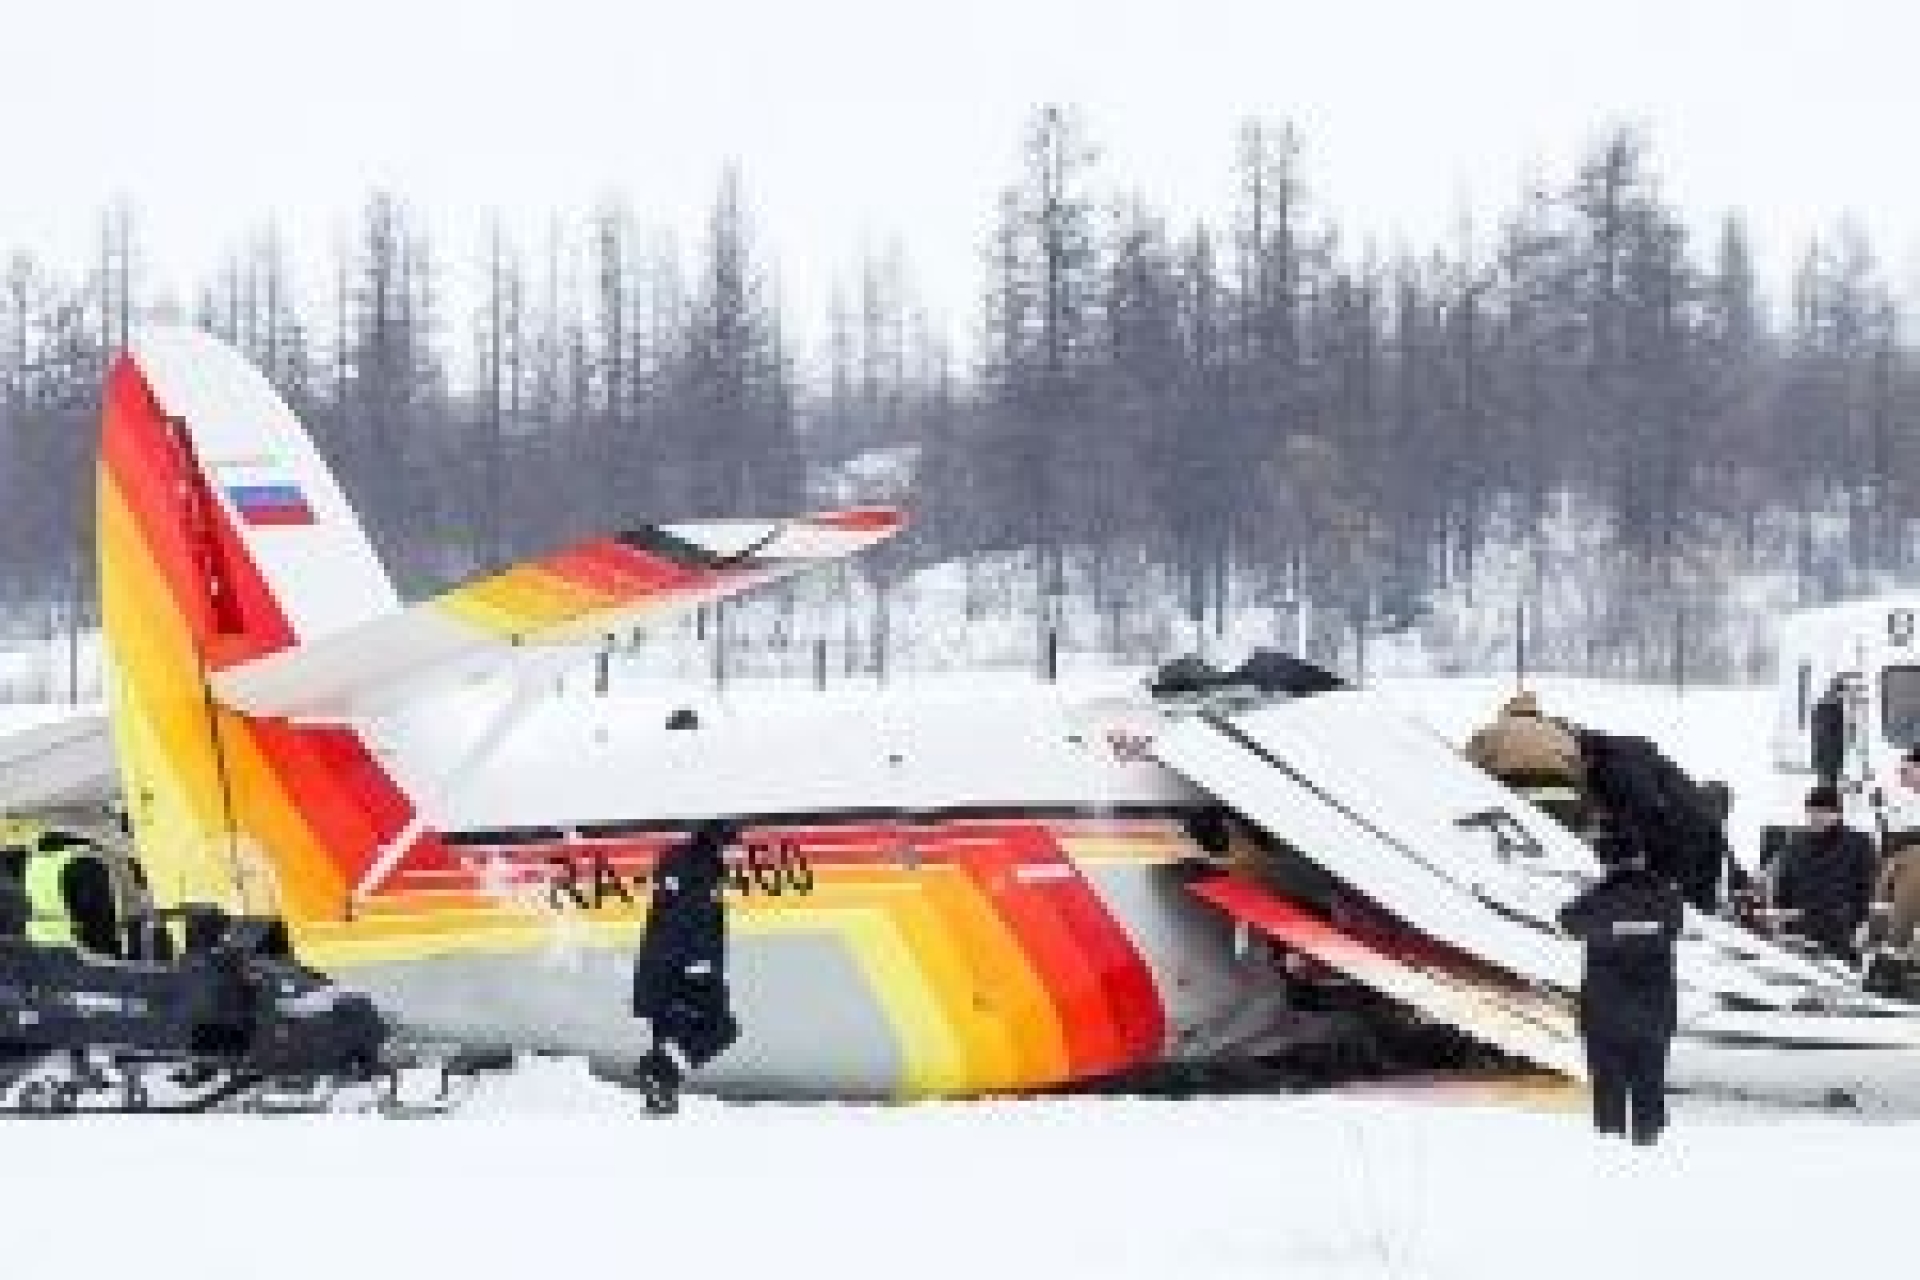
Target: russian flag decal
x: 270, y: 504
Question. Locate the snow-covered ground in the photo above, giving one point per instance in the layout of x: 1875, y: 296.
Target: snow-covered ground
x: 547, y: 1172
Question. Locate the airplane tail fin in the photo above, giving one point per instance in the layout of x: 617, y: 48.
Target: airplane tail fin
x: 250, y: 630
x: 222, y: 538
x: 283, y: 555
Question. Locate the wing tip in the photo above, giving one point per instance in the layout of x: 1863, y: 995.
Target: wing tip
x: 874, y: 519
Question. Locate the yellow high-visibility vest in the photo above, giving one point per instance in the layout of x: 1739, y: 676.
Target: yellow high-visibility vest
x: 50, y: 924
x: 20, y: 832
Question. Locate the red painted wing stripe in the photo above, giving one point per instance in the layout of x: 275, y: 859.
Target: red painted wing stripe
x: 860, y: 519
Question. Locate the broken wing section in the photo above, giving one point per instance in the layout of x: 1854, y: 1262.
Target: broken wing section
x: 1526, y: 1024
x: 1440, y: 891
x: 1381, y: 805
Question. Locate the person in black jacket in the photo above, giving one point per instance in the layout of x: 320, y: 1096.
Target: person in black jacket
x: 1726, y: 879
x: 1629, y: 1001
x: 1825, y: 876
x: 1827, y: 731
x: 1678, y: 824
x: 15, y: 910
x: 679, y: 978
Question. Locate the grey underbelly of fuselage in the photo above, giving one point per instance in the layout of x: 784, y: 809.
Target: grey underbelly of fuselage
x: 807, y: 1024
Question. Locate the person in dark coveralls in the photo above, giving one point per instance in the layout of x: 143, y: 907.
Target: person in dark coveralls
x: 1896, y: 896
x: 1720, y: 877
x: 680, y: 974
x: 15, y: 909
x: 1825, y: 877
x: 1629, y: 1002
x: 1827, y: 730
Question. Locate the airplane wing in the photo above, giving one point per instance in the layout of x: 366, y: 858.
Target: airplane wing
x: 56, y: 758
x: 571, y: 599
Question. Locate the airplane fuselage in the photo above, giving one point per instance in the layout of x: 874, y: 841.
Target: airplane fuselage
x: 936, y: 894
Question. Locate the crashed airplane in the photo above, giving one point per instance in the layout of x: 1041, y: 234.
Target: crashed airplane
x: 978, y: 894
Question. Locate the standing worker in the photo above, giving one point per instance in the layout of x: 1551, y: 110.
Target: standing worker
x: 1827, y: 730
x: 70, y: 892
x: 17, y: 839
x: 1714, y: 875
x: 1896, y: 898
x: 16, y: 843
x: 1824, y: 878
x: 680, y: 974
x: 1629, y: 997
x: 15, y: 910
x: 1535, y: 756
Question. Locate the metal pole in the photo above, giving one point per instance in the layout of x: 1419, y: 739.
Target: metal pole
x: 1680, y: 649
x: 1520, y: 643
x: 74, y: 587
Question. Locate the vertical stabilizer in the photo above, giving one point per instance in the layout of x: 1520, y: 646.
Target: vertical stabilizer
x: 258, y: 468
x: 222, y: 537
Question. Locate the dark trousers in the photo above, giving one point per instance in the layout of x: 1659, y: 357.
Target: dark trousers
x: 1629, y: 1080
x: 1836, y: 941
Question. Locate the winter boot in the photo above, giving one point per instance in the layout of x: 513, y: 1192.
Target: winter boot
x: 659, y: 1082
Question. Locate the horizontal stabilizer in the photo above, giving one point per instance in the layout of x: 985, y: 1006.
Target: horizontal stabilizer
x: 571, y: 598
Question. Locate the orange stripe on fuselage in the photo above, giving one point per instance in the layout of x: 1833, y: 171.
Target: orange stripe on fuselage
x: 1065, y: 971
x: 1057, y: 976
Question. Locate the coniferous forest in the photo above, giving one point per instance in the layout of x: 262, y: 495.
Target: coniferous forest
x: 1583, y: 435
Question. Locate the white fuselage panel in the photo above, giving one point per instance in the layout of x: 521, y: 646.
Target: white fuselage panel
x: 587, y: 758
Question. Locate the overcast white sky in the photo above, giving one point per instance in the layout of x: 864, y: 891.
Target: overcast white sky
x: 860, y: 120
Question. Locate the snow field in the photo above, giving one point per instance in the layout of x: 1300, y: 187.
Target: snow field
x: 547, y: 1172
